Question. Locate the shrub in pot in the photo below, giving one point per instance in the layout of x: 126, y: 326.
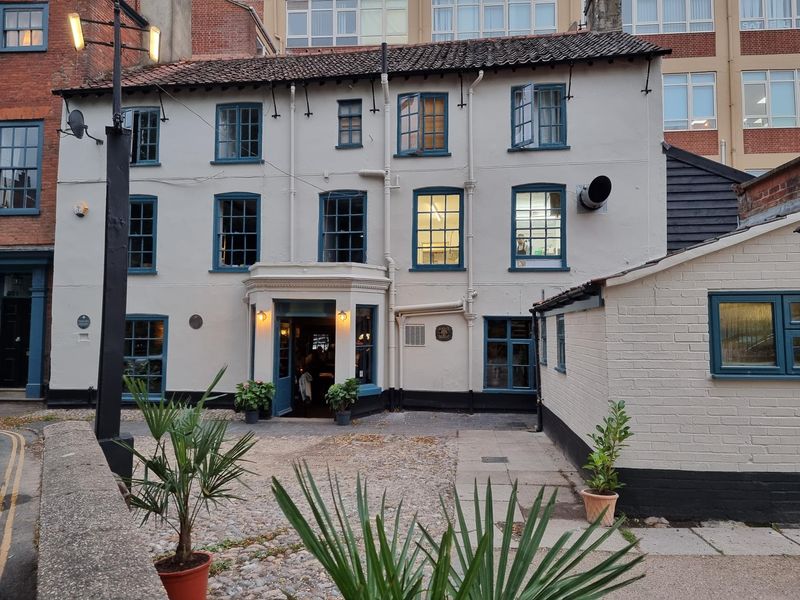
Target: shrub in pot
x: 340, y: 397
x: 254, y: 397
x: 187, y: 473
x: 608, y: 440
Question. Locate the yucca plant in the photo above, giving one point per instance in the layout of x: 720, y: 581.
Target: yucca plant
x: 188, y: 471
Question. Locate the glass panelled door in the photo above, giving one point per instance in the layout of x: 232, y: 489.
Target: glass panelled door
x: 283, y: 367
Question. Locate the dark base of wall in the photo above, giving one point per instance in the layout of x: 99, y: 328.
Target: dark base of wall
x: 760, y: 498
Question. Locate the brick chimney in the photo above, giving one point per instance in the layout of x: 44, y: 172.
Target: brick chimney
x: 773, y: 194
x: 604, y: 15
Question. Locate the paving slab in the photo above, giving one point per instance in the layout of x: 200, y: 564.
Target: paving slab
x: 792, y: 534
x: 482, y: 476
x: 738, y: 539
x: 672, y: 542
x: 557, y: 527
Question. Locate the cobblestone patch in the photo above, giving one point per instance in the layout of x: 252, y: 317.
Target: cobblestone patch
x: 259, y: 556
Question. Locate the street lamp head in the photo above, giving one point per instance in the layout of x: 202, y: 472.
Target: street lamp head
x: 155, y: 43
x: 77, y: 31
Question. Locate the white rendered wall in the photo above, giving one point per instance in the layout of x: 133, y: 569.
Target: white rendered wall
x: 613, y: 129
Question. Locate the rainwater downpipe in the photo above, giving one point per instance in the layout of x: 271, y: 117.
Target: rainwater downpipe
x: 292, y: 189
x: 469, y: 188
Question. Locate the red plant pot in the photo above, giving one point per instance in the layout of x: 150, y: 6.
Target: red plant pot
x: 191, y: 584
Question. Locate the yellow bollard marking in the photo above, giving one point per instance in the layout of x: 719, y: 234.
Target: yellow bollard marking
x: 5, y: 546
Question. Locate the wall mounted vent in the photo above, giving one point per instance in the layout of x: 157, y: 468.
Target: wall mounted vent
x: 415, y: 335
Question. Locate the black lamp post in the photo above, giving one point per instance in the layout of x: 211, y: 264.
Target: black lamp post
x: 115, y: 269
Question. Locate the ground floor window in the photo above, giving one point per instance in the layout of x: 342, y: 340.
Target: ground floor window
x: 508, y: 354
x: 145, y: 351
x: 755, y: 334
x: 561, y: 347
x: 543, y: 340
x: 365, y: 344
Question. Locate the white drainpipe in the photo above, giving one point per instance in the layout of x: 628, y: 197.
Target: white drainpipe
x: 469, y: 187
x: 391, y: 266
x: 292, y: 190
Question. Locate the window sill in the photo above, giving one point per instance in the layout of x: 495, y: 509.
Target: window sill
x: 689, y: 130
x: 435, y: 269
x: 369, y: 389
x: 562, y: 370
x: 539, y: 269
x: 422, y: 154
x: 754, y: 376
x: 508, y: 391
x: 19, y: 211
x: 243, y: 161
x: 24, y: 48
x: 229, y: 270
x: 537, y: 148
x: 349, y: 146
x: 145, y: 164
x: 143, y: 272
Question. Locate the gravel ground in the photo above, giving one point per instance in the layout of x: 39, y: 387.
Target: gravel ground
x: 259, y: 556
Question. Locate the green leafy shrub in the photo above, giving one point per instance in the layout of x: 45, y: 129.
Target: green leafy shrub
x: 609, y: 440
x: 341, y: 396
x: 254, y: 395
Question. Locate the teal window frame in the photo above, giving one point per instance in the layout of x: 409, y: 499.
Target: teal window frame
x: 238, y: 138
x: 561, y: 345
x: 433, y: 191
x: 406, y: 127
x: 137, y: 235
x: 220, y: 201
x: 342, y: 239
x: 509, y: 364
x: 8, y: 154
x: 553, y: 262
x: 350, y: 124
x: 143, y: 138
x: 534, y: 117
x: 784, y: 332
x: 131, y: 353
x: 367, y: 384
x: 6, y: 8
x: 543, y: 340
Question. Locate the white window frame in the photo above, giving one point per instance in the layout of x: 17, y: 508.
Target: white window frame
x: 453, y: 33
x: 633, y: 26
x: 691, y: 119
x: 763, y: 22
x: 768, y: 87
x: 307, y: 40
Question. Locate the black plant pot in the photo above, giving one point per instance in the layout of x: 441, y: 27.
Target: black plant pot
x: 251, y: 417
x: 265, y: 413
x: 343, y: 417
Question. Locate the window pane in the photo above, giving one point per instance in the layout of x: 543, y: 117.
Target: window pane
x: 747, y: 334
x: 545, y: 17
x: 496, y: 328
x: 521, y: 329
x: 297, y: 24
x: 795, y: 352
x: 647, y: 11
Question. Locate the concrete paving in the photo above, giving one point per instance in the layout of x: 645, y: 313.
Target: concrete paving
x: 673, y: 542
x: 737, y: 539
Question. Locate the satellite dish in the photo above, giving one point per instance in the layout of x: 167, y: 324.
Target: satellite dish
x: 76, y: 124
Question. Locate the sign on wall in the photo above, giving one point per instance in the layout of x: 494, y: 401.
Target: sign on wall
x: 444, y: 333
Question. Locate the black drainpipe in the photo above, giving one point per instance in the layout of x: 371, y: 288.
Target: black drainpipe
x: 539, y: 423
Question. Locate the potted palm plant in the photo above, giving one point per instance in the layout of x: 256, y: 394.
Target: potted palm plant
x: 609, y: 440
x: 186, y: 473
x: 254, y: 397
x: 340, y: 397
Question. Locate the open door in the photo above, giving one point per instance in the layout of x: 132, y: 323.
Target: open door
x: 284, y: 385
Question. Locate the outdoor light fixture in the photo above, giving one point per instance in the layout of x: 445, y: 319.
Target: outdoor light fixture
x: 77, y: 31
x: 76, y: 26
x: 155, y: 43
x: 261, y: 315
x: 342, y: 316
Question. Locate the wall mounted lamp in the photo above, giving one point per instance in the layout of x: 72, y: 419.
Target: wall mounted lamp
x: 342, y: 316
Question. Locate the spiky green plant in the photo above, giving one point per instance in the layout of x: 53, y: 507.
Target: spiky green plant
x: 190, y: 474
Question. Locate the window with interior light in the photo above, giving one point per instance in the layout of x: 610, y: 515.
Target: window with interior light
x: 538, y: 227
x: 146, y: 351
x: 667, y: 16
x: 467, y: 19
x: 769, y: 14
x: 24, y: 27
x: 438, y: 229
x: 366, y: 326
x: 321, y: 23
x: 422, y: 124
x: 771, y: 98
x: 690, y: 101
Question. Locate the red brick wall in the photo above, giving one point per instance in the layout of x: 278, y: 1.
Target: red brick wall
x: 704, y: 142
x: 771, y: 140
x: 772, y: 41
x: 220, y: 28
x: 775, y: 189
x: 685, y: 45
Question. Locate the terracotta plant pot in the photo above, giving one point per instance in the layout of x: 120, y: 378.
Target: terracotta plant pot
x: 595, y: 503
x: 191, y: 584
x: 251, y: 417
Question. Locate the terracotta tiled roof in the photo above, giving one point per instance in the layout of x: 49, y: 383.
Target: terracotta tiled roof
x: 438, y: 57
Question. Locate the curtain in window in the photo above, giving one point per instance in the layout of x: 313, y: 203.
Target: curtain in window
x: 674, y: 15
x: 746, y: 333
x: 545, y: 17
x: 750, y: 9
x: 676, y: 102
x: 779, y: 14
x: 519, y: 18
x: 783, y: 105
x: 701, y: 10
x: 647, y: 11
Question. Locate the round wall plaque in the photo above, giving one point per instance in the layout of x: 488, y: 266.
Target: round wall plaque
x: 84, y: 321
x: 195, y: 321
x: 444, y: 333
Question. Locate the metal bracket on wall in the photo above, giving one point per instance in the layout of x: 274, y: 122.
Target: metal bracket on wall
x: 647, y: 89
x: 374, y: 108
x: 461, y: 104
x: 164, y: 117
x: 275, y: 113
x: 308, y: 112
x: 569, y: 95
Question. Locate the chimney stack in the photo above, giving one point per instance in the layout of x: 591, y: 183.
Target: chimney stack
x: 604, y: 16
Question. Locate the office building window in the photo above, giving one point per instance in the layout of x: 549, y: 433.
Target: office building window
x: 538, y: 227
x: 345, y: 22
x: 466, y: 19
x: 690, y: 101
x: 769, y: 14
x: 770, y: 98
x: 667, y: 16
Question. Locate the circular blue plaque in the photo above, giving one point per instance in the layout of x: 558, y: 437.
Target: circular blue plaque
x: 84, y: 321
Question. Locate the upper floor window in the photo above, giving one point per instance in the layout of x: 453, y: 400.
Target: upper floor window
x: 24, y: 27
x: 236, y: 231
x: 142, y: 235
x: 343, y: 227
x: 690, y: 101
x: 538, y: 116
x: 422, y: 124
x: 755, y: 334
x: 349, y: 124
x: 667, y: 16
x: 508, y: 359
x: 20, y: 166
x: 438, y: 229
x: 465, y: 19
x: 345, y: 22
x: 238, y: 132
x: 143, y: 123
x: 539, y: 227
x: 769, y: 14
x: 771, y: 98
x: 145, y: 351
